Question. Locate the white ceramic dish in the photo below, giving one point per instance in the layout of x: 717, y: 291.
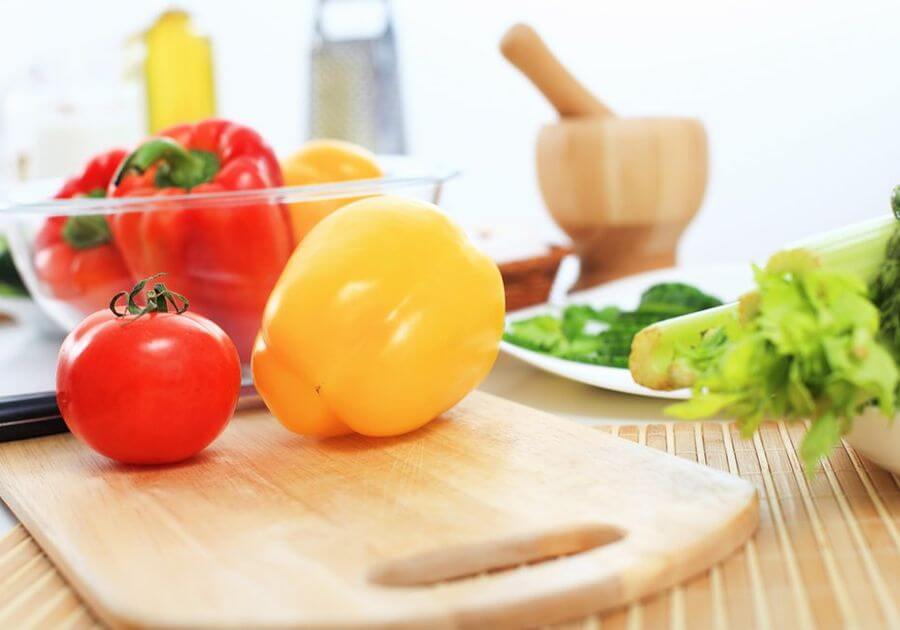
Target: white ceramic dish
x: 876, y: 438
x: 726, y: 282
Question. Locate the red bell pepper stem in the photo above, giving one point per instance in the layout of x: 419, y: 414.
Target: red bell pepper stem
x: 86, y: 232
x: 177, y: 166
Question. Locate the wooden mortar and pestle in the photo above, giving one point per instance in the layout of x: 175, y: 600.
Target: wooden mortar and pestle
x: 623, y: 189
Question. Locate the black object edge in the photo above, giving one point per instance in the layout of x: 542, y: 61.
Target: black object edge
x: 29, y: 415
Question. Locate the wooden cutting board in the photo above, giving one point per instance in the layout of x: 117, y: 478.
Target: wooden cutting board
x: 494, y: 514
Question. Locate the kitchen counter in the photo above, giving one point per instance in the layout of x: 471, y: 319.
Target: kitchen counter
x: 28, y: 358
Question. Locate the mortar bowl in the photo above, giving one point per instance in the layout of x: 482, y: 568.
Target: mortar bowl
x: 623, y: 189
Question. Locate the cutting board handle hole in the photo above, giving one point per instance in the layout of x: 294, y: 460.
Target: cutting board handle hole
x: 476, y: 559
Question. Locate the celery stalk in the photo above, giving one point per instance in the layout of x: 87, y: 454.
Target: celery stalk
x: 857, y: 249
x: 654, y: 349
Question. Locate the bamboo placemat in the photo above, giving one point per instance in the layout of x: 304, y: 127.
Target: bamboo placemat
x: 826, y: 555
x: 32, y: 592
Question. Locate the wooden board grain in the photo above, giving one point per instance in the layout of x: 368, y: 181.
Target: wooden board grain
x: 440, y: 528
x: 733, y: 594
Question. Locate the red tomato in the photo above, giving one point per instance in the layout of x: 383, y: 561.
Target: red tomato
x: 149, y: 389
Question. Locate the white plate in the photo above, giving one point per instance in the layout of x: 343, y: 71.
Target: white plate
x: 727, y: 282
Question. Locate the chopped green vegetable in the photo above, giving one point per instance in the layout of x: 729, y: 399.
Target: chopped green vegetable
x: 603, y: 336
x: 577, y: 316
x: 543, y: 333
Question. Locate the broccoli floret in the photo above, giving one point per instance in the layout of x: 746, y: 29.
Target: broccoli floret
x: 671, y: 299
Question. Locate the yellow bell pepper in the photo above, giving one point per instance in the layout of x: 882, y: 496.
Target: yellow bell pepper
x: 322, y: 162
x: 384, y: 317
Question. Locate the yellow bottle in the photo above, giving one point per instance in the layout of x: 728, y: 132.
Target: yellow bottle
x: 178, y: 72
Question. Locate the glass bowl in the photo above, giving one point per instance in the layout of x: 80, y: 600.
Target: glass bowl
x: 223, y: 251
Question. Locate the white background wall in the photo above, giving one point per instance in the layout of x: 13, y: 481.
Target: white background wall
x: 801, y: 98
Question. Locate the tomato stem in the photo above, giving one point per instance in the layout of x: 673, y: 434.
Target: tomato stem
x: 157, y: 299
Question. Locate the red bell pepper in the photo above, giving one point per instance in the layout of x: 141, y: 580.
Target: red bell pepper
x: 74, y: 256
x: 227, y: 257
